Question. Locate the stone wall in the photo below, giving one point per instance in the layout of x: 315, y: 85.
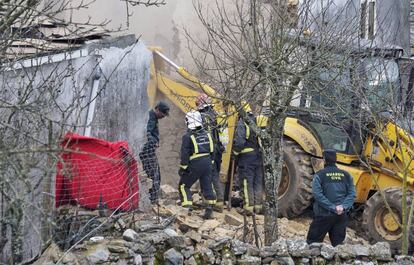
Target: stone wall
x: 166, y: 246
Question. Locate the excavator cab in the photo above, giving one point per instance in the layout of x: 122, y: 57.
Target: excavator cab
x: 362, y: 88
x: 371, y: 134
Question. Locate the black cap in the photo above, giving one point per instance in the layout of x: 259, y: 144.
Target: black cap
x: 330, y: 156
x: 163, y: 107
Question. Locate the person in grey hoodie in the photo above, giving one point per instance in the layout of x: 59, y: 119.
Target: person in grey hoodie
x: 334, y: 194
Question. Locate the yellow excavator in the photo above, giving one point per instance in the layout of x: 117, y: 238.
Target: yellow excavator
x: 380, y: 163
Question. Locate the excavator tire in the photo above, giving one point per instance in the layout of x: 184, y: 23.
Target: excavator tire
x: 378, y: 222
x: 295, y: 189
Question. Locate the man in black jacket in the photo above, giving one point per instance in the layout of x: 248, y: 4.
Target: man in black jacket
x: 334, y: 194
x: 148, y: 154
x: 246, y: 147
x: 196, y: 163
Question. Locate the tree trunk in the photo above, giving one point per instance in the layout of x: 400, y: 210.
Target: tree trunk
x: 272, y: 164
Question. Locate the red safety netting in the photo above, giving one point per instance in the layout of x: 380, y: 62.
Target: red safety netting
x: 95, y: 173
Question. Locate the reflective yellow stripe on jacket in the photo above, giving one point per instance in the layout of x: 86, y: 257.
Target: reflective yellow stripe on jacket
x: 196, y: 154
x: 247, y: 149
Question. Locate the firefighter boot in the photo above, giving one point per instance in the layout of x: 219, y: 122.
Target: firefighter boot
x: 258, y: 209
x: 208, y: 213
x: 218, y: 207
x: 189, y: 209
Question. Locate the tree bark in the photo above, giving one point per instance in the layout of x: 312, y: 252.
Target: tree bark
x: 272, y: 164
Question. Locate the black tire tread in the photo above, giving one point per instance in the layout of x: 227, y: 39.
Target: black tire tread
x: 304, y: 191
x: 393, y: 195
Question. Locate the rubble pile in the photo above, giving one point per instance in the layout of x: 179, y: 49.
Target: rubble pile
x: 168, y: 246
x: 174, y: 236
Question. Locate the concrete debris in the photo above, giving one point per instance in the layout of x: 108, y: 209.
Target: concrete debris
x: 173, y: 257
x: 404, y: 260
x: 220, y: 232
x: 346, y: 251
x: 137, y: 259
x: 361, y: 251
x: 207, y: 255
x: 130, y: 235
x: 170, y: 232
x: 188, y: 252
x: 168, y: 192
x: 190, y: 261
x: 233, y: 219
x: 209, y: 225
x: 97, y: 254
x: 193, y: 235
x: 327, y: 251
x: 96, y: 239
x: 177, y: 238
x: 249, y: 260
x: 298, y: 248
x: 381, y: 251
x: 177, y: 242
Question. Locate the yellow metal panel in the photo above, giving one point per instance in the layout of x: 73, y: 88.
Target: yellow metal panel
x: 345, y: 158
x: 365, y: 181
x: 230, y: 122
x: 361, y: 181
x: 386, y: 181
x: 181, y: 95
x: 302, y: 136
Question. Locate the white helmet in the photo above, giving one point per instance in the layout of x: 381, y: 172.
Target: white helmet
x: 193, y: 119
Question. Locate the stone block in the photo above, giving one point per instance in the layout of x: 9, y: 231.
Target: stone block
x: 232, y: 219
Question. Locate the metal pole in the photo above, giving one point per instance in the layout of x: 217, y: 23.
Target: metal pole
x: 92, y: 102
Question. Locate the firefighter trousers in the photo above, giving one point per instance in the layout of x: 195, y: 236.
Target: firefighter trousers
x: 250, y: 172
x: 198, y: 169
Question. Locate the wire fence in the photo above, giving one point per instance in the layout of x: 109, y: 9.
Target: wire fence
x: 98, y: 186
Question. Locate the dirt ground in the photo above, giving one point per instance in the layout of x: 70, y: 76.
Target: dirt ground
x: 231, y: 223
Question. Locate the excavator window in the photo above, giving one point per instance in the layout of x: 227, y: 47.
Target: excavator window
x: 381, y: 85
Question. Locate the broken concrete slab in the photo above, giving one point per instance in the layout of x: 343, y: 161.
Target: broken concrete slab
x: 233, y: 219
x: 209, y: 225
x: 169, y: 192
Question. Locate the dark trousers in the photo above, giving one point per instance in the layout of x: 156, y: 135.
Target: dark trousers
x: 335, y: 225
x: 250, y: 172
x: 218, y: 186
x: 198, y: 169
x: 151, y: 166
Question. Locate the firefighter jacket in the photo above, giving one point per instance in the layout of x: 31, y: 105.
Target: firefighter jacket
x: 245, y: 139
x: 195, y: 144
x: 153, y: 134
x: 209, y: 117
x: 331, y: 187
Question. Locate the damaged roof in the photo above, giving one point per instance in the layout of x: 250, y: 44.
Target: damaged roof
x: 44, y: 36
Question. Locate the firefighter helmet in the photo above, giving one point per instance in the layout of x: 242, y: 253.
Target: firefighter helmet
x: 193, y: 120
x: 202, y: 101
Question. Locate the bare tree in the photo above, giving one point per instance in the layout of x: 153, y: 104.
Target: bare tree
x: 291, y: 62
x: 41, y: 98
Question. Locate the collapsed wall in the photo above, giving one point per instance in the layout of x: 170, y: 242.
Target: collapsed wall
x: 54, y: 93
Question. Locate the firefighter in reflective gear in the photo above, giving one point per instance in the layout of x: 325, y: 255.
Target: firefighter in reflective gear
x: 209, y: 118
x: 246, y: 147
x: 196, y: 163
